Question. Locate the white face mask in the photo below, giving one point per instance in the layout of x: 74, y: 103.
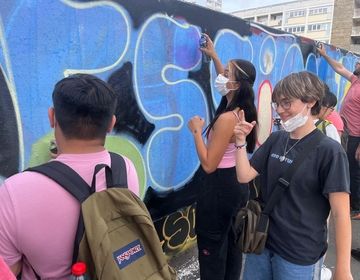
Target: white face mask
x: 220, y: 85
x: 297, y: 121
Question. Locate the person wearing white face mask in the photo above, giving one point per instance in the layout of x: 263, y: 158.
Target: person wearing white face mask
x: 297, y: 236
x: 221, y: 194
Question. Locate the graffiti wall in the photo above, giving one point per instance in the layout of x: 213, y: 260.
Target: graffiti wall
x: 148, y: 51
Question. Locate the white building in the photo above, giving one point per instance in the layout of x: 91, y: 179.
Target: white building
x: 211, y: 4
x: 214, y: 4
x: 308, y: 18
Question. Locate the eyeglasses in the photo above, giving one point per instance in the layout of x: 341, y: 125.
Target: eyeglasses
x: 330, y: 108
x: 285, y: 104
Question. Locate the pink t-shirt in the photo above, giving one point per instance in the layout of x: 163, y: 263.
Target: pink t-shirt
x: 229, y: 158
x: 336, y: 120
x: 39, y: 218
x: 350, y: 109
x: 5, y: 272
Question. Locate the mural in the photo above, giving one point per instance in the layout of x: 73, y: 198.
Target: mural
x: 148, y: 51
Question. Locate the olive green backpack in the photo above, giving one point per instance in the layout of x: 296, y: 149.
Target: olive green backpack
x: 116, y: 237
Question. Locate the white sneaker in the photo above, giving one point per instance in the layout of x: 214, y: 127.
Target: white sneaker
x: 325, y: 273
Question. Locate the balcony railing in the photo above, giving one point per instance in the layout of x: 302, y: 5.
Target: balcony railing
x: 275, y: 22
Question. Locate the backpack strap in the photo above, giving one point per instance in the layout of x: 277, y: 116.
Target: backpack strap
x: 72, y: 182
x: 66, y: 177
x: 116, y: 176
x: 319, y: 121
x: 321, y: 125
x: 119, y: 172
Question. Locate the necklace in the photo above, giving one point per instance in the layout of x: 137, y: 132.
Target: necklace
x: 282, y: 158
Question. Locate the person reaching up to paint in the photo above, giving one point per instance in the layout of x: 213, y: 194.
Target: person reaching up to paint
x: 297, y: 236
x: 221, y: 194
x: 350, y: 112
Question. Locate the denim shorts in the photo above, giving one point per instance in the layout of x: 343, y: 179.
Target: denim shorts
x: 270, y: 266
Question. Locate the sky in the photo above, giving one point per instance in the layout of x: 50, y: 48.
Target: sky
x: 235, y: 5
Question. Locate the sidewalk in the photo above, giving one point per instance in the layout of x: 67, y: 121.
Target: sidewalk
x: 188, y: 268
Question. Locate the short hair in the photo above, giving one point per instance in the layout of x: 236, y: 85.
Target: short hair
x: 302, y: 85
x: 84, y: 106
x: 330, y: 99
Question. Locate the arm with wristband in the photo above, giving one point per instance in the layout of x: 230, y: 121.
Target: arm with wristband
x: 244, y: 171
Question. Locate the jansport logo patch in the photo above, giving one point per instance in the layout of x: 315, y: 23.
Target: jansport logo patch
x: 129, y: 253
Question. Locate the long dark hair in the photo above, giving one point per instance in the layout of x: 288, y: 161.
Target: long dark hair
x: 245, y: 73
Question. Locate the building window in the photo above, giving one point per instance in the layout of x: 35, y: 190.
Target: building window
x: 298, y: 13
x: 319, y: 11
x: 276, y: 17
x: 318, y: 27
x: 355, y: 41
x: 295, y: 29
x: 262, y: 19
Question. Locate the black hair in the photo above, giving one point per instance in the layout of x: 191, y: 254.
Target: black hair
x: 245, y: 73
x: 84, y: 106
x: 329, y: 100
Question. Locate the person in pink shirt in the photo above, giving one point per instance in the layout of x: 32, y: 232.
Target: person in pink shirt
x: 350, y: 112
x: 336, y: 120
x: 5, y: 272
x: 38, y: 217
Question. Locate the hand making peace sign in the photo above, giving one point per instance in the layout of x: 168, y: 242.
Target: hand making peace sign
x: 242, y: 128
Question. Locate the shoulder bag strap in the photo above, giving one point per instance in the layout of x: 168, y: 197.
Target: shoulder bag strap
x: 284, y: 181
x: 255, y: 182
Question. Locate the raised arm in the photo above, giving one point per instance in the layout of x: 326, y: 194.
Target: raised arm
x: 244, y: 171
x: 337, y: 66
x: 210, y: 51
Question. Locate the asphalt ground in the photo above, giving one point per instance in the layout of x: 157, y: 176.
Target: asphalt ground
x: 188, y: 268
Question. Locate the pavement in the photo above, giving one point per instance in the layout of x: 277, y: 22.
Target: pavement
x: 187, y: 266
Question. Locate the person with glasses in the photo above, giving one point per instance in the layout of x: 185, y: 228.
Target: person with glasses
x: 350, y: 112
x: 328, y: 104
x: 297, y: 236
x: 221, y: 194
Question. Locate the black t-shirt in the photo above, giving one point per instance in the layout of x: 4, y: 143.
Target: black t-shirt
x: 298, y: 227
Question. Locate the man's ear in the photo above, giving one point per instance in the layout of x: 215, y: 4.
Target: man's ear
x: 51, y: 115
x: 112, y: 123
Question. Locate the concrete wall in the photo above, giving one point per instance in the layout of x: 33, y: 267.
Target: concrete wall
x: 342, y: 23
x: 148, y: 51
